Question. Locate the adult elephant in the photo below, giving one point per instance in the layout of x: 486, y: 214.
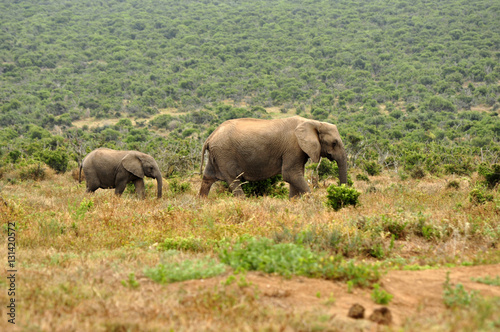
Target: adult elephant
x: 106, y: 168
x: 254, y: 149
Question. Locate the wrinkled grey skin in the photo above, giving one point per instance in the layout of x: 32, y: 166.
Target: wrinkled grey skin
x: 254, y: 149
x: 105, y: 168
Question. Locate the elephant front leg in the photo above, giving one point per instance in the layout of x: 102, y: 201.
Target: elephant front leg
x: 298, y: 185
x: 120, y: 185
x: 140, y: 188
x: 235, y: 187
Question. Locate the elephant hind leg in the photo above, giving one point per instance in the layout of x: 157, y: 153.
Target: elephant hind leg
x: 209, y: 178
x: 91, y: 182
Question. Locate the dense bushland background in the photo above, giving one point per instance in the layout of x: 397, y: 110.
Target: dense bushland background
x: 413, y: 85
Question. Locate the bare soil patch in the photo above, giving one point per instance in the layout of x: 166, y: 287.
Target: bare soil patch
x: 416, y: 293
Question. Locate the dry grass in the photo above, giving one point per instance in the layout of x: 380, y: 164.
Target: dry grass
x: 74, y: 249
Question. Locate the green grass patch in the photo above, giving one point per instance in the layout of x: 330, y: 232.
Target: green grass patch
x: 488, y: 280
x: 457, y: 296
x: 185, y: 270
x: 380, y: 296
x: 287, y: 259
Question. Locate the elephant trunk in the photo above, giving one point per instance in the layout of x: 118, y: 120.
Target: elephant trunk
x: 159, y: 183
x: 342, y: 164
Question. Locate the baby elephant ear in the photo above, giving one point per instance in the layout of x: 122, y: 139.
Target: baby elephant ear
x: 307, y: 136
x: 132, y: 164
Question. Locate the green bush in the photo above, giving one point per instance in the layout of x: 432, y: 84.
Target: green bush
x: 274, y: 187
x: 490, y: 174
x: 325, y: 169
x: 56, y: 159
x: 460, y: 168
x: 380, y: 296
x: 362, y: 177
x: 457, y: 296
x: 32, y: 172
x: 479, y: 195
x: 177, y: 187
x: 182, y: 243
x: 417, y: 173
x: 341, y: 196
x: 372, y: 168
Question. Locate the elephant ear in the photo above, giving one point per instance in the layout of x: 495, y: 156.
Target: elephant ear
x: 133, y: 164
x: 307, y: 136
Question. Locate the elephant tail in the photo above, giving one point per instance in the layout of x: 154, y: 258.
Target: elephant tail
x: 80, y: 173
x: 205, y: 147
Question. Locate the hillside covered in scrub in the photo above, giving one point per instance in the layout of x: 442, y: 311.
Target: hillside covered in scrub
x: 412, y: 85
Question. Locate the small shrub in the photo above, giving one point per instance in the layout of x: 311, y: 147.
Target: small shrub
x: 185, y: 270
x: 465, y: 168
x: 362, y: 177
x: 403, y: 175
x: 456, y: 296
x: 479, y: 195
x: 380, y: 296
x: 341, y: 196
x: 85, y: 206
x: 395, y: 227
x: 51, y: 228
x: 426, y: 229
x: 417, y: 173
x: 319, y: 238
x: 131, y: 282
x: 273, y: 187
x: 491, y: 175
x: 177, y: 187
x: 453, y: 184
x: 32, y: 172
x: 182, y: 243
x: 326, y: 169
x: 372, y: 168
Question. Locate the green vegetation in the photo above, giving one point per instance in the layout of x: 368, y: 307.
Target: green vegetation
x: 184, y: 270
x: 273, y: 187
x: 413, y: 87
x: 410, y: 87
x: 341, y: 196
x: 457, y: 296
x: 488, y: 280
x: 290, y: 259
x: 380, y: 296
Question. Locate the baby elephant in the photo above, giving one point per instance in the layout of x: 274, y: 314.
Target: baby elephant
x: 105, y: 168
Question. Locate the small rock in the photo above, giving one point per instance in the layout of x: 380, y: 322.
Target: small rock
x: 357, y: 311
x: 381, y: 316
